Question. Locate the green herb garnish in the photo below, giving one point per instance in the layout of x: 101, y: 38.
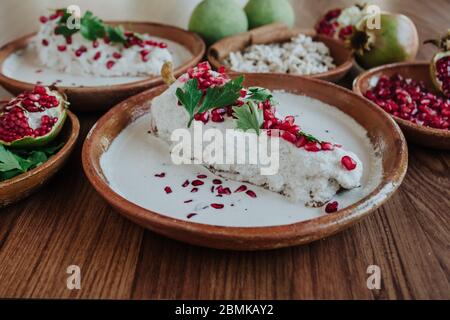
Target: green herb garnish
x: 91, y: 28
x: 309, y: 137
x: 259, y: 94
x: 14, y: 162
x: 249, y: 117
x: 216, y: 97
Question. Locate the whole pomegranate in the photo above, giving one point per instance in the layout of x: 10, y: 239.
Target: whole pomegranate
x: 339, y: 23
x: 396, y: 40
x: 440, y: 64
x: 33, y: 118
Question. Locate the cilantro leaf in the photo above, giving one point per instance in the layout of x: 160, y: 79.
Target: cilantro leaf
x: 189, y: 96
x: 225, y: 95
x: 249, y: 117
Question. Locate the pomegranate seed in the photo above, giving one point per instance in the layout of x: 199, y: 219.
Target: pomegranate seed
x: 43, y: 19
x: 191, y: 215
x: 162, y: 45
x: 168, y: 190
x: 160, y: 175
x: 95, y: 44
x: 45, y: 42
x: 241, y: 189
x: 348, y: 163
x: 197, y: 183
x: 326, y: 146
x: 185, y: 184
x: 97, y: 55
x: 110, y: 64
x: 312, y: 147
x: 217, y: 205
x: 203, y: 117
x: 217, y: 181
x: 62, y: 48
x: 69, y: 39
x: 222, y: 70
x: 251, y: 193
x: 116, y: 55
x: 194, y: 190
x: 331, y: 207
x: 202, y: 176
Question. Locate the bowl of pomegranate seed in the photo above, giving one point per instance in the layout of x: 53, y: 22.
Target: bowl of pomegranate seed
x: 98, y: 64
x: 406, y: 91
x: 275, y: 48
x: 37, y: 135
x: 336, y: 164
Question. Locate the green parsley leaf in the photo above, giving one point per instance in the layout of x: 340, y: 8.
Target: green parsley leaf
x: 92, y: 27
x: 189, y: 96
x: 259, y: 94
x: 249, y: 117
x: 8, y: 161
x: 116, y: 34
x: 225, y: 95
x: 309, y: 137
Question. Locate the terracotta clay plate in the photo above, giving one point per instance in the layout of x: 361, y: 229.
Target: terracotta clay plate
x: 21, y: 186
x: 280, y: 33
x: 419, y: 71
x: 103, y: 96
x: 250, y: 224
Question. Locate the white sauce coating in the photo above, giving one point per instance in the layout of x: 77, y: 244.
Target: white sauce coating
x: 135, y: 156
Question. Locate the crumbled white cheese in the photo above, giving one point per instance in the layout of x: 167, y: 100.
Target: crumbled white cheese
x: 301, y: 56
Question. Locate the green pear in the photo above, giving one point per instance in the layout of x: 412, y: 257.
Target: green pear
x: 217, y: 19
x: 261, y: 12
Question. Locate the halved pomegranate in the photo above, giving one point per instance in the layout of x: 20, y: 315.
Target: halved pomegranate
x: 33, y: 118
x: 440, y: 64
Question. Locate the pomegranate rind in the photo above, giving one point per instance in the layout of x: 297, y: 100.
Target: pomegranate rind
x: 396, y: 41
x: 433, y: 73
x: 28, y: 142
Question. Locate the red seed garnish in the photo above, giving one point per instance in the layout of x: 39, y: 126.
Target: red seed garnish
x: 348, y: 163
x: 116, y: 55
x: 331, y: 207
x: 62, y: 48
x: 222, y: 190
x: 168, y: 190
x: 217, y: 181
x: 95, y: 44
x: 110, y: 64
x: 326, y: 146
x: 241, y: 189
x: 45, y: 42
x: 191, y: 215
x: 217, y: 205
x: 160, y: 175
x: 251, y: 193
x: 212, y: 189
x: 197, y: 183
x: 185, y: 184
x: 97, y: 55
x: 43, y: 19
x: 202, y: 176
x: 194, y: 190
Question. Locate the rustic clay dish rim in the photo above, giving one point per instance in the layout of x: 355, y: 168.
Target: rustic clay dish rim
x: 248, y: 238
x: 68, y: 145
x: 416, y: 127
x: 338, y: 72
x: 20, y: 43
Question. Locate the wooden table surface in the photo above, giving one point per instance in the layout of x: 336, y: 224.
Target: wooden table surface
x: 67, y: 223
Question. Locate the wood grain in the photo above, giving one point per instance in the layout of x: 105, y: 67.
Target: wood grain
x: 68, y: 223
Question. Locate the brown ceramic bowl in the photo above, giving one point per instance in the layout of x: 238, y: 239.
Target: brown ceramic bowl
x: 23, y: 185
x: 343, y: 57
x: 382, y: 130
x: 94, y: 98
x: 424, y: 136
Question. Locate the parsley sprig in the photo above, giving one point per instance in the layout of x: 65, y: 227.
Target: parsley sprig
x: 191, y: 97
x: 14, y: 162
x: 249, y: 117
x: 91, y: 28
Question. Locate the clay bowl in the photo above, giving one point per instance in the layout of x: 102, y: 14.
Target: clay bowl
x: 383, y: 132
x: 421, y: 135
x: 23, y: 185
x: 94, y: 98
x: 279, y: 33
